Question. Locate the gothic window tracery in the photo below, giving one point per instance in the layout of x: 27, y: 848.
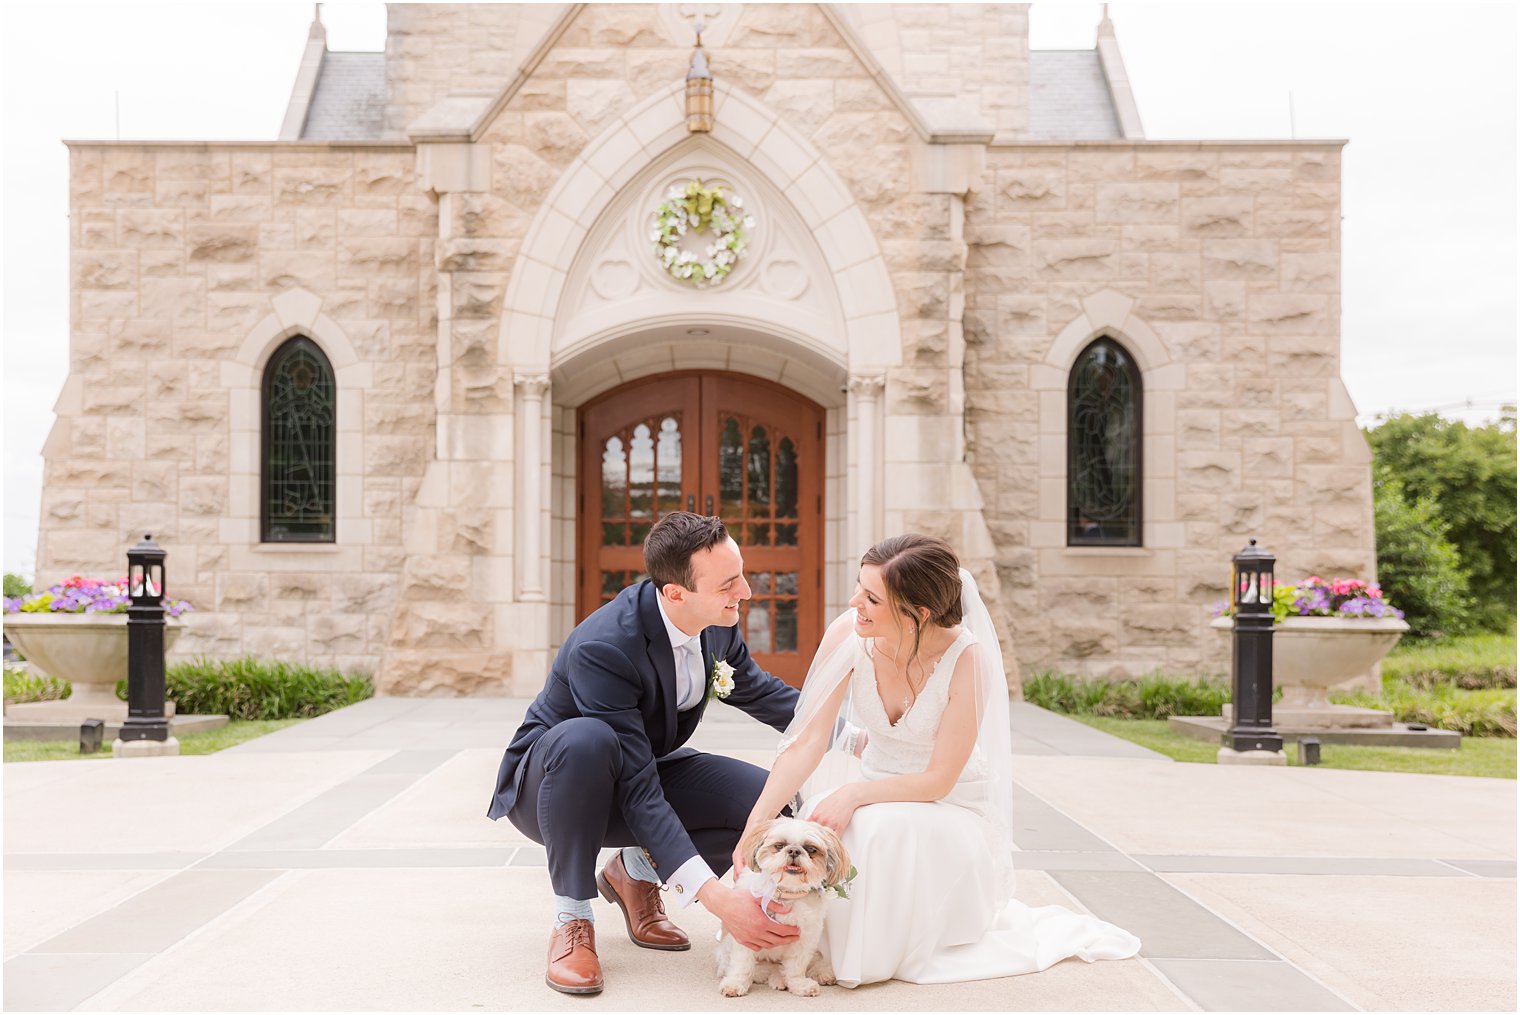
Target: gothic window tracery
x: 299, y: 457
x: 1103, y: 464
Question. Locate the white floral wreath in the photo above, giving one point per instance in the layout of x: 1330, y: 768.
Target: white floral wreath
x: 701, y: 208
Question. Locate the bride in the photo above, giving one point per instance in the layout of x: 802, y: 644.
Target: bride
x: 927, y: 816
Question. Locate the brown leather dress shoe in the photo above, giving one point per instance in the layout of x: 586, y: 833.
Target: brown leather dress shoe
x: 573, y: 965
x: 642, y: 909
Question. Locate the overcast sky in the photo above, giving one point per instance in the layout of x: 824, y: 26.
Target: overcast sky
x: 1426, y: 93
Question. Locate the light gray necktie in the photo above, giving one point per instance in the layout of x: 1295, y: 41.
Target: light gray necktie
x: 690, y: 688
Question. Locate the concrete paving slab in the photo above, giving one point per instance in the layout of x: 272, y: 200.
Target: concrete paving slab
x: 1246, y: 985
x: 100, y: 861
x: 462, y: 940
x: 1485, y: 868
x: 160, y: 805
x: 445, y: 807
x: 1331, y: 866
x: 43, y: 904
x: 1234, y: 810
x: 1059, y: 860
x: 322, y: 818
x: 1411, y: 944
x: 1038, y: 825
x: 1168, y: 923
x: 1034, y: 727
x: 301, y: 859
x: 60, y: 982
x: 157, y: 918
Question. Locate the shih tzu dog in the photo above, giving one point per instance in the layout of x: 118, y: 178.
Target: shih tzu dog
x: 799, y: 863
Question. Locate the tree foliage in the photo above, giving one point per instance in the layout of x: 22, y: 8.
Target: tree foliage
x: 1467, y: 474
x: 1418, y: 567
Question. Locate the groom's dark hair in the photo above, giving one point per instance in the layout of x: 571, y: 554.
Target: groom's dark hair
x: 669, y: 547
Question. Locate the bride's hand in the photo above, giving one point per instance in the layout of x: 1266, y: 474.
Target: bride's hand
x: 835, y: 810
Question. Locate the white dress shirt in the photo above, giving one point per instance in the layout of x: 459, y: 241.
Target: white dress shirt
x: 690, y: 683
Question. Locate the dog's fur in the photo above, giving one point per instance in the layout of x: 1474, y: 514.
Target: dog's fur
x: 797, y: 855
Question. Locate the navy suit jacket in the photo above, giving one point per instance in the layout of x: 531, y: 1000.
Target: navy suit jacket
x: 618, y: 666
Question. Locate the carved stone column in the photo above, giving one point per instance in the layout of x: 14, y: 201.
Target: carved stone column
x: 529, y: 499
x: 866, y: 456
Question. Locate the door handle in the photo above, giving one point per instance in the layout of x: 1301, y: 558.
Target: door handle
x: 691, y: 502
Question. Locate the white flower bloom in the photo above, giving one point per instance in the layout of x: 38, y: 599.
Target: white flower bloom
x: 749, y: 222
x: 708, y: 270
x: 737, y: 201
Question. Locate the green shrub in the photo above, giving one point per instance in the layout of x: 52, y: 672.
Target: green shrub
x: 22, y: 685
x: 1153, y: 696
x: 250, y: 688
x: 1472, y: 662
x: 15, y: 585
x: 1418, y: 567
x: 1485, y: 713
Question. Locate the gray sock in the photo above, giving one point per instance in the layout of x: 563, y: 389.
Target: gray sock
x: 567, y: 909
x: 638, y: 866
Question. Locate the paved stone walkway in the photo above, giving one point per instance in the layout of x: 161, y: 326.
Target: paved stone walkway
x: 346, y: 863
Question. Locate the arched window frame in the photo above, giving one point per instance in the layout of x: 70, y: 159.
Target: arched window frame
x: 272, y: 367
x: 1135, y: 515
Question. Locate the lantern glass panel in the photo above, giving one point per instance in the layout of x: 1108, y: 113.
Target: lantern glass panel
x: 156, y: 580
x: 135, y: 584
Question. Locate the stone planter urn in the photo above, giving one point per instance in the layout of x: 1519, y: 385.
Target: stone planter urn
x: 89, y: 650
x: 1310, y: 655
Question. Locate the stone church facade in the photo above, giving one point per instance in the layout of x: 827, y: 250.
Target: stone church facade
x: 404, y: 388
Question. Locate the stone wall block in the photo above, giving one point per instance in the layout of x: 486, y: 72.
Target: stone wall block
x: 396, y: 456
x: 1137, y: 202
x: 1216, y: 217
x: 912, y: 391
x: 478, y: 294
x: 1240, y: 259
x: 102, y: 269
x: 445, y: 674
x: 322, y: 186
x: 473, y: 255
x: 451, y: 626
x: 1213, y: 471
x: 1289, y: 313
x: 1026, y: 189
x: 203, y: 496
x: 377, y: 256
x: 1077, y: 257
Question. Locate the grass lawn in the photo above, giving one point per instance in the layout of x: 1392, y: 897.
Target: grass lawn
x: 209, y: 742
x: 1493, y: 757
x: 1466, y: 654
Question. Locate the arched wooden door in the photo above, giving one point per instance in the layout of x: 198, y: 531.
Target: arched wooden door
x: 724, y: 444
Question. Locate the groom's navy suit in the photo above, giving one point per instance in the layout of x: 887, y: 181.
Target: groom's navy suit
x: 598, y: 760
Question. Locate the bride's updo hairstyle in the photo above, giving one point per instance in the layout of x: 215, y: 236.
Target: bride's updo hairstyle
x: 920, y: 572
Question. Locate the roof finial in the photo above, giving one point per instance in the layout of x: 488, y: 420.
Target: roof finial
x: 1105, y: 26
x: 318, y: 30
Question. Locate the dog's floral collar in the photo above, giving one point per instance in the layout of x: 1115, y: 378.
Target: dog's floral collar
x: 841, y: 888
x: 722, y: 680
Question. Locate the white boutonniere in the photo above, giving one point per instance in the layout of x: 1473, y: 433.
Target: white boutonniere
x: 722, y: 680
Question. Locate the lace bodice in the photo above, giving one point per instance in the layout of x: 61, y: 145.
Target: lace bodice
x: 908, y: 745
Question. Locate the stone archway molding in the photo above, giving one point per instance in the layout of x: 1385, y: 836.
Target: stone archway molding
x: 295, y: 312
x: 755, y: 134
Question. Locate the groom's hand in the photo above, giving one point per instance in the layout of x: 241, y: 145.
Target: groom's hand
x: 740, y: 914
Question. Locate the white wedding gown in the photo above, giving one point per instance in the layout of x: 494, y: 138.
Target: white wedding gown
x: 922, y: 907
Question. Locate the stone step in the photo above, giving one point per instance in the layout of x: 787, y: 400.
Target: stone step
x: 178, y: 726
x: 1209, y: 728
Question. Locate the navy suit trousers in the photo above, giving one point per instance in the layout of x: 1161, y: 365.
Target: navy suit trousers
x: 569, y: 801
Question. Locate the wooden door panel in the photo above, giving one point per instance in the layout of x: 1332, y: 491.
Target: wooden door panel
x: 739, y: 447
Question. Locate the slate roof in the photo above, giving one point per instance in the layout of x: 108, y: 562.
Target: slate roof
x: 1069, y: 98
x: 348, y: 103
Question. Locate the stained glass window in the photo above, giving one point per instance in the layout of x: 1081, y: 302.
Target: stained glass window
x: 1103, y: 473
x: 300, y: 445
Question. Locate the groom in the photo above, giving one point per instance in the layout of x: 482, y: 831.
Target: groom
x: 598, y: 759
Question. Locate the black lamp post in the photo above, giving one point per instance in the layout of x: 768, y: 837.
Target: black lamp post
x: 145, y: 644
x: 1251, y: 660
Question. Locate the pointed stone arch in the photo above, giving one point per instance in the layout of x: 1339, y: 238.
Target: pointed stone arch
x: 295, y: 312
x: 754, y: 134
